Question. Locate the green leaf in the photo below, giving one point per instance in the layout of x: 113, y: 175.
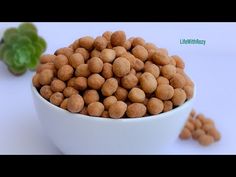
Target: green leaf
x: 17, y: 70
x: 29, y: 33
x: 8, y: 57
x: 34, y: 60
x: 22, y: 56
x: 27, y: 26
x: 8, y: 33
x: 11, y: 39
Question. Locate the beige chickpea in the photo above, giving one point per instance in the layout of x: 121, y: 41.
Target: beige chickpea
x: 46, y: 58
x: 189, y: 91
x: 207, y: 127
x: 121, y: 93
x: 109, y: 87
x: 105, y: 114
x: 205, y: 140
x: 173, y: 62
x: 109, y: 46
x: 45, y: 77
x: 140, y: 52
x: 177, y: 81
x: 138, y: 65
x: 150, y: 46
x: 138, y: 41
x: 168, y: 105
x: 148, y: 82
x: 117, y: 110
x: 185, y: 134
x: 84, y: 111
x: 135, y: 110
x: 65, y: 51
x: 95, y: 81
x: 152, y: 68
x: 127, y: 45
x: 76, y: 59
x: 82, y: 71
x: 118, y: 38
x: 138, y: 75
x: 197, y: 133
x: 56, y: 98
x: 129, y: 81
x: 63, y: 104
x: 95, y: 53
x: 107, y: 35
x: 95, y: 65
x: 108, y: 55
x: 57, y: 85
x: 80, y: 83
x: 83, y: 52
x: 198, y: 124
x: 86, y: 42
x: 100, y: 43
x: 214, y: 133
x: 50, y: 66
x: 71, y: 82
x: 130, y: 58
x: 121, y: 67
x: 136, y: 95
x: 168, y: 71
x: 179, y: 97
x: 75, y: 44
x: 108, y: 101
x: 164, y: 92
x: 95, y: 109
x: 46, y: 91
x: 155, y: 106
x: 179, y: 62
x: 160, y: 58
x: 65, y: 72
x: 189, y: 125
x: 162, y: 80
x: 119, y: 50
x: 75, y: 103
x: 35, y: 80
x: 107, y: 70
x: 60, y: 60
x: 68, y: 91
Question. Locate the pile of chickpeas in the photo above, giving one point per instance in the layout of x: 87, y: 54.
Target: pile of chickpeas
x: 112, y: 76
x: 201, y: 129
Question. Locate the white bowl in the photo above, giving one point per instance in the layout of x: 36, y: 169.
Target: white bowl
x: 81, y: 134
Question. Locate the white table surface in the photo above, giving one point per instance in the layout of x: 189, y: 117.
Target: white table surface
x: 212, y: 67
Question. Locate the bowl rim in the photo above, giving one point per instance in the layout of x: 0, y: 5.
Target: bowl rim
x: 82, y: 116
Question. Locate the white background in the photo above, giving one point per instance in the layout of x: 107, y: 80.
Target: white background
x: 212, y: 67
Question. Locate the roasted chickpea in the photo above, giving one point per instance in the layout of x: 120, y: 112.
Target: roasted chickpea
x: 46, y: 91
x: 95, y: 65
x: 162, y: 80
x: 185, y: 134
x: 56, y: 98
x: 45, y: 77
x: 63, y: 104
x: 80, y: 83
x: 140, y: 52
x: 152, y: 68
x: 155, y: 106
x: 148, y: 82
x: 179, y: 97
x: 75, y: 103
x: 117, y: 110
x: 90, y: 96
x: 136, y: 95
x: 118, y: 38
x: 50, y: 66
x: 177, y: 81
x: 107, y: 35
x: 179, y: 62
x: 105, y: 114
x: 164, y: 92
x: 107, y: 55
x: 107, y: 70
x: 86, y: 42
x: 82, y: 71
x: 129, y: 81
x: 121, y: 94
x: 65, y: 51
x: 121, y: 67
x: 189, y: 91
x: 83, y: 52
x: 95, y: 109
x: 47, y: 58
x: 138, y: 41
x: 160, y: 58
x: 168, y: 105
x: 108, y: 101
x: 136, y: 110
x: 109, y: 87
x: 138, y: 65
x: 205, y: 140
x: 119, y: 50
x: 76, y: 59
x: 130, y: 58
x: 95, y: 81
x: 95, y: 53
x: 35, y: 80
x: 65, y: 72
x: 168, y: 71
x: 57, y: 85
x: 127, y: 45
x: 68, y: 91
x: 100, y: 43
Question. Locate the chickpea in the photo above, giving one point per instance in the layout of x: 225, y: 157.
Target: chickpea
x: 178, y: 81
x: 35, y: 80
x: 155, y: 106
x: 193, y: 113
x: 162, y: 80
x: 198, y: 124
x: 129, y: 81
x: 95, y: 81
x: 150, y: 46
x: 190, y: 126
x: 80, y: 83
x: 130, y: 58
x: 138, y: 65
x: 117, y: 110
x: 108, y: 101
x: 208, y: 121
x: 148, y: 82
x: 121, y: 67
x: 121, y: 94
x: 207, y: 127
x: 205, y: 140
x: 46, y: 91
x: 168, y: 71
x: 107, y: 70
x: 90, y: 96
x: 63, y: 104
x: 138, y: 75
x: 95, y: 109
x: 136, y: 110
x: 76, y: 59
x: 47, y: 58
x: 68, y: 91
x: 100, y: 43
x: 136, y: 95
x: 57, y: 85
x: 201, y: 117
x: 164, y: 92
x: 197, y: 133
x: 108, y: 55
x: 75, y: 44
x: 45, y: 77
x: 86, y: 42
x: 107, y: 35
x: 56, y: 98
x: 160, y: 58
x: 95, y: 53
x: 105, y: 114
x: 127, y: 45
x: 118, y: 38
x: 140, y: 52
x: 132, y: 71
x: 109, y: 46
x: 84, y: 111
x: 109, y: 87
x: 59, y: 61
x: 138, y: 41
x: 119, y: 50
x: 185, y: 134
x: 83, y: 52
x: 65, y: 72
x: 95, y: 65
x: 214, y: 133
x: 153, y: 69
x: 179, y: 97
x: 50, y: 66
x: 168, y: 105
x: 71, y: 82
x: 179, y: 62
x: 66, y: 51
x: 82, y: 71
x: 173, y: 62
x: 189, y: 91
x: 75, y: 103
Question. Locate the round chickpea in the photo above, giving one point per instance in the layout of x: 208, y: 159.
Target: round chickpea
x: 63, y: 104
x: 45, y: 77
x: 80, y: 83
x: 68, y: 91
x: 121, y: 93
x: 117, y: 110
x: 205, y: 140
x: 162, y: 80
x: 136, y: 95
x: 46, y: 91
x: 82, y: 71
x: 155, y: 106
x: 177, y: 81
x: 56, y: 98
x: 105, y: 114
x: 76, y: 59
x: 140, y: 52
x: 152, y: 68
x: 121, y: 67
x: 75, y: 103
x: 109, y: 87
x: 179, y: 97
x: 118, y: 38
x: 57, y: 85
x: 164, y: 92
x: 83, y: 52
x: 135, y: 110
x: 107, y: 35
x: 95, y: 81
x: 189, y: 91
x: 65, y: 51
x: 168, y: 71
x: 95, y: 109
x: 119, y: 50
x: 47, y: 58
x: 148, y: 82
x: 95, y: 53
x: 107, y: 55
x: 59, y: 61
x: 35, y: 80
x: 95, y: 65
x: 127, y: 45
x: 168, y: 105
x: 108, y: 101
x: 179, y: 62
x: 100, y: 43
x: 65, y: 72
x: 107, y: 70
x: 160, y: 58
x: 185, y: 134
x: 129, y: 81
x: 197, y: 133
x: 138, y: 65
x: 138, y: 41
x: 86, y: 42
x: 90, y: 96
